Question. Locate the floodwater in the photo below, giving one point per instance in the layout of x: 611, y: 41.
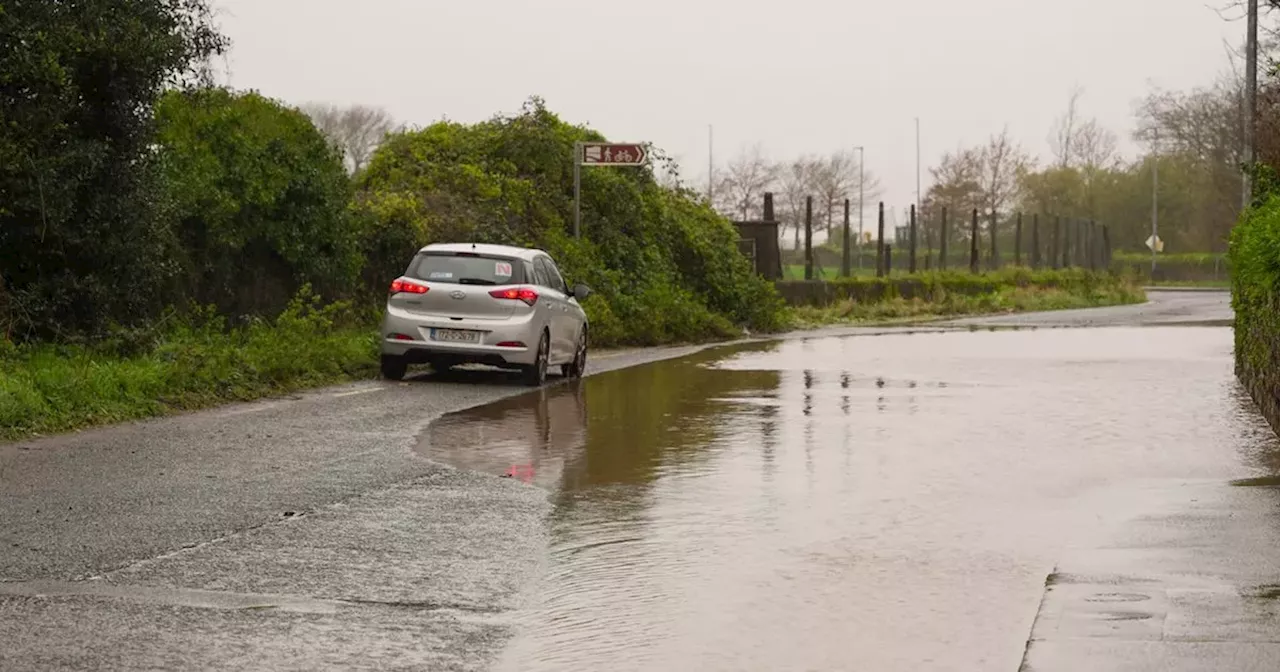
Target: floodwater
x: 848, y: 503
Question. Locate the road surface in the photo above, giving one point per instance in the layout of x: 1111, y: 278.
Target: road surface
x: 1058, y: 499
x: 1167, y: 307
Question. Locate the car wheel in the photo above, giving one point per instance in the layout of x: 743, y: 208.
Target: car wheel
x: 536, y: 374
x: 578, y: 367
x: 393, y: 368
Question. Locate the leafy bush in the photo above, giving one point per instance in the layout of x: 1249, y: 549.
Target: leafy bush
x: 82, y: 242
x: 1255, y: 279
x: 665, y: 265
x: 259, y: 201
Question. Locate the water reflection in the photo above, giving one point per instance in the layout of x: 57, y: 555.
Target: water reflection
x: 641, y: 422
x: 807, y: 504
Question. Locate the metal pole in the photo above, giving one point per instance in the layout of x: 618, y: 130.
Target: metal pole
x: 917, y: 163
x: 808, y: 238
x: 577, y: 190
x: 880, y: 245
x: 1017, y: 242
x: 844, y: 249
x: 711, y: 166
x: 1251, y: 102
x: 942, y: 241
x: 912, y: 263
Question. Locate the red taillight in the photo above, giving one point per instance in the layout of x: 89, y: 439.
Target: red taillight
x: 408, y: 286
x: 401, y: 337
x: 512, y: 344
x: 516, y: 294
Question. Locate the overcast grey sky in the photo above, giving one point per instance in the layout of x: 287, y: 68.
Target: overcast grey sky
x: 801, y: 76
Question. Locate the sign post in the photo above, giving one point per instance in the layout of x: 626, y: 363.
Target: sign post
x: 600, y: 154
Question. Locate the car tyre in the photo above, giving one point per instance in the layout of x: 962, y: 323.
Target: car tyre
x: 536, y: 374
x: 578, y: 367
x: 394, y: 368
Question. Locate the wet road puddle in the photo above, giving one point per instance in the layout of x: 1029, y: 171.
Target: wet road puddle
x: 896, y: 500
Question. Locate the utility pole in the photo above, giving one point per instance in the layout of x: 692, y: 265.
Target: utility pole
x: 1251, y: 102
x: 577, y: 190
x: 862, y: 164
x: 918, y: 163
x: 711, y: 166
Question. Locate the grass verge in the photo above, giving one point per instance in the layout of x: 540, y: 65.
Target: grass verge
x: 200, y: 363
x: 1009, y: 299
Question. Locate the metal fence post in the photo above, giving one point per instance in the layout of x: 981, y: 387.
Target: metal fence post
x: 845, y: 260
x: 942, y: 255
x: 808, y: 238
x: 1035, y: 241
x: 880, y: 245
x: 973, y: 244
x: 911, y: 259
x: 995, y: 252
x: 1017, y: 241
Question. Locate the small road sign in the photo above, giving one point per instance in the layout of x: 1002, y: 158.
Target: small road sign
x: 1155, y: 244
x: 600, y: 154
x: 607, y: 154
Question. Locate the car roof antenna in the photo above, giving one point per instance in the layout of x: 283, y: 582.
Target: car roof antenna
x: 473, y: 246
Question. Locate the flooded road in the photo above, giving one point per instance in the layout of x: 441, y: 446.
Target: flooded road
x: 895, y: 503
x: 1051, y: 500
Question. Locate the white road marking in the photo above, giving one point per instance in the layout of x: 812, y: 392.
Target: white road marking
x: 355, y: 392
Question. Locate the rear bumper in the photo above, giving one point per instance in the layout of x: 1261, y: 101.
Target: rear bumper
x: 420, y: 349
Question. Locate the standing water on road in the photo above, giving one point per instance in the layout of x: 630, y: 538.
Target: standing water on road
x: 843, y: 503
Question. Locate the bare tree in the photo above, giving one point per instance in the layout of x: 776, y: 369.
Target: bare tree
x: 835, y: 178
x: 1095, y: 152
x: 739, y: 188
x: 1000, y: 160
x: 957, y: 187
x: 357, y: 130
x: 1063, y: 138
x: 796, y: 184
x: 1095, y: 146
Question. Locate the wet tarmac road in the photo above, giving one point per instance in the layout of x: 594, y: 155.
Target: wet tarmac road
x: 874, y: 503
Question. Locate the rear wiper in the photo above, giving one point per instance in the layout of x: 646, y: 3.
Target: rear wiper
x: 475, y: 281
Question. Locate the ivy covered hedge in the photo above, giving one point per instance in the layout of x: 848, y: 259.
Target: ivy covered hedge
x: 1255, y: 278
x: 664, y: 265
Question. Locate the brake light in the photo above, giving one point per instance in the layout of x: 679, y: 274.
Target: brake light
x: 408, y: 286
x: 525, y: 294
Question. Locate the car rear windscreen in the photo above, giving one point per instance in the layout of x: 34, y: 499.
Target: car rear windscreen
x: 464, y: 268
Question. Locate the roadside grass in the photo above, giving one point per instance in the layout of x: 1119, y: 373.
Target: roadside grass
x: 198, y: 363
x: 1005, y: 300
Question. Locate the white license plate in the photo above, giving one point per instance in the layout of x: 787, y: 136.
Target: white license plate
x: 455, y: 335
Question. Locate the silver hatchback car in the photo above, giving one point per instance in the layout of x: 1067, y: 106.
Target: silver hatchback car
x: 467, y: 303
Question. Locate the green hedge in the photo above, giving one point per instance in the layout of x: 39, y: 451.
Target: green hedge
x: 937, y: 286
x: 664, y: 265
x: 1181, y: 267
x: 1255, y: 260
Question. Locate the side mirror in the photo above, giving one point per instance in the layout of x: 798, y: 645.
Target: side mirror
x: 581, y: 292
